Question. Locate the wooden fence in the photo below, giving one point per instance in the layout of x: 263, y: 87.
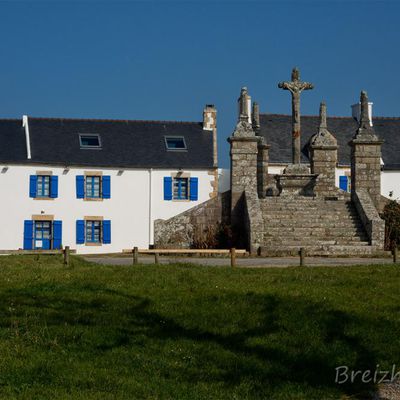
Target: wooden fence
x: 156, y: 252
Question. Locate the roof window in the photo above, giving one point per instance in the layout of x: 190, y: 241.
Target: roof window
x: 89, y: 141
x: 175, y: 143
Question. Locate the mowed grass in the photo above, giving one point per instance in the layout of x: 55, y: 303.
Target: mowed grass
x: 191, y: 332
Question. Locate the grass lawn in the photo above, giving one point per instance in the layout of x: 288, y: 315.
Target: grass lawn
x: 190, y: 332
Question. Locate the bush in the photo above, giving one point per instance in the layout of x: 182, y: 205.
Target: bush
x: 218, y: 236
x: 391, y: 215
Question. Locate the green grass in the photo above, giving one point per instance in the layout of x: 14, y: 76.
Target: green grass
x: 190, y: 332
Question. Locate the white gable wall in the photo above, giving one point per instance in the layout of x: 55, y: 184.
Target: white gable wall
x: 128, y: 208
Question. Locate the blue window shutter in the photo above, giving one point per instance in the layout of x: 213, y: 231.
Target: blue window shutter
x: 167, y: 188
x: 80, y: 231
x: 343, y: 183
x: 106, y: 189
x: 107, y: 231
x: 57, y: 234
x: 28, y: 235
x: 80, y: 186
x: 194, y: 189
x: 32, y: 185
x: 54, y: 187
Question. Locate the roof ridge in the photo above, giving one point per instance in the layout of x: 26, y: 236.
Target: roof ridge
x: 116, y: 120
x: 328, y: 116
x: 11, y: 119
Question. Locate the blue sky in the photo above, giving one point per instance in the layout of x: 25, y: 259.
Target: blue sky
x: 166, y: 60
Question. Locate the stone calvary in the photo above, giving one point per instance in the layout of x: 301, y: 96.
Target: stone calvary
x: 276, y: 214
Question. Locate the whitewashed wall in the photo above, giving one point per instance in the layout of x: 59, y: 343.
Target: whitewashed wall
x: 131, y: 213
x: 391, y: 183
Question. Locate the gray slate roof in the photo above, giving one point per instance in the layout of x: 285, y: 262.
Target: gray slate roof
x: 276, y: 129
x: 130, y: 144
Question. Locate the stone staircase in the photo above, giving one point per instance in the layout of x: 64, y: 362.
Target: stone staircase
x: 322, y: 227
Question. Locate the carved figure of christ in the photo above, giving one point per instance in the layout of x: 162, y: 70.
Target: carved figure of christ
x: 296, y: 86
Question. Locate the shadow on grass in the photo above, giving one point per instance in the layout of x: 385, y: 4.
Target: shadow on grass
x: 289, y: 341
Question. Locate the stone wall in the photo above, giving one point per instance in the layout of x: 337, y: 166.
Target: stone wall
x: 253, y: 221
x: 180, y: 231
x: 373, y: 224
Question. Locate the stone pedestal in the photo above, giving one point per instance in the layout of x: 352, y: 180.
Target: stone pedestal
x: 366, y: 168
x: 366, y: 158
x: 244, y: 152
x: 296, y: 180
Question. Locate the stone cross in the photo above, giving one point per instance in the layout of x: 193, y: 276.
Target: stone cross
x: 295, y: 86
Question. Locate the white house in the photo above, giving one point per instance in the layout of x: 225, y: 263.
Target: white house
x: 98, y: 185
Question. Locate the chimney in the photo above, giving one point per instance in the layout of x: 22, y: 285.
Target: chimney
x: 209, y: 117
x: 356, y: 112
x: 244, y: 105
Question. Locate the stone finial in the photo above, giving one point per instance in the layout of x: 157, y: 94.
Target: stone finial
x: 322, y: 116
x: 256, y: 117
x: 244, y: 105
x: 323, y: 138
x: 365, y: 131
x: 364, y: 118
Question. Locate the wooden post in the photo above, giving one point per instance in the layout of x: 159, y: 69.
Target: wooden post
x: 156, y: 260
x: 395, y: 254
x: 66, y: 255
x: 302, y: 256
x: 135, y: 255
x: 233, y: 257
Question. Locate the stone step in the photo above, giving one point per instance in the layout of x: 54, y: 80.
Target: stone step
x: 319, y: 211
x: 330, y: 250
x: 307, y: 231
x: 314, y: 242
x: 288, y: 223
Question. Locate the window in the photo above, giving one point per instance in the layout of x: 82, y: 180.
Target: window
x: 93, y: 231
x: 89, y: 141
x: 93, y: 187
x: 43, y: 186
x: 42, y: 234
x: 175, y: 143
x: 180, y: 189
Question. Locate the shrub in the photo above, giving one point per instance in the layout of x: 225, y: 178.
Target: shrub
x: 391, y: 215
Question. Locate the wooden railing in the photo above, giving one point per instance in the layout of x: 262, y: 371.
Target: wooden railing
x: 66, y: 251
x: 156, y: 252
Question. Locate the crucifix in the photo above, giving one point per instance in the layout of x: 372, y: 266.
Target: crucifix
x: 295, y: 86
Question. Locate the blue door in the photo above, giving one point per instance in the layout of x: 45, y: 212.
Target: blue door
x: 42, y: 235
x: 344, y: 183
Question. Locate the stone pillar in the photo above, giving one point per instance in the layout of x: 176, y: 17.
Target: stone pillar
x: 366, y: 157
x: 323, y: 157
x: 244, y: 153
x: 262, y: 168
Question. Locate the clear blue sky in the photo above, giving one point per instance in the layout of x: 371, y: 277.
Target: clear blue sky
x: 166, y: 60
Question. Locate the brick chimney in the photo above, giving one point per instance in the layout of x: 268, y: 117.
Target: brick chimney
x: 209, y: 117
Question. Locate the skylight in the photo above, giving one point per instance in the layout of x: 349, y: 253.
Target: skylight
x: 89, y: 141
x: 175, y: 143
